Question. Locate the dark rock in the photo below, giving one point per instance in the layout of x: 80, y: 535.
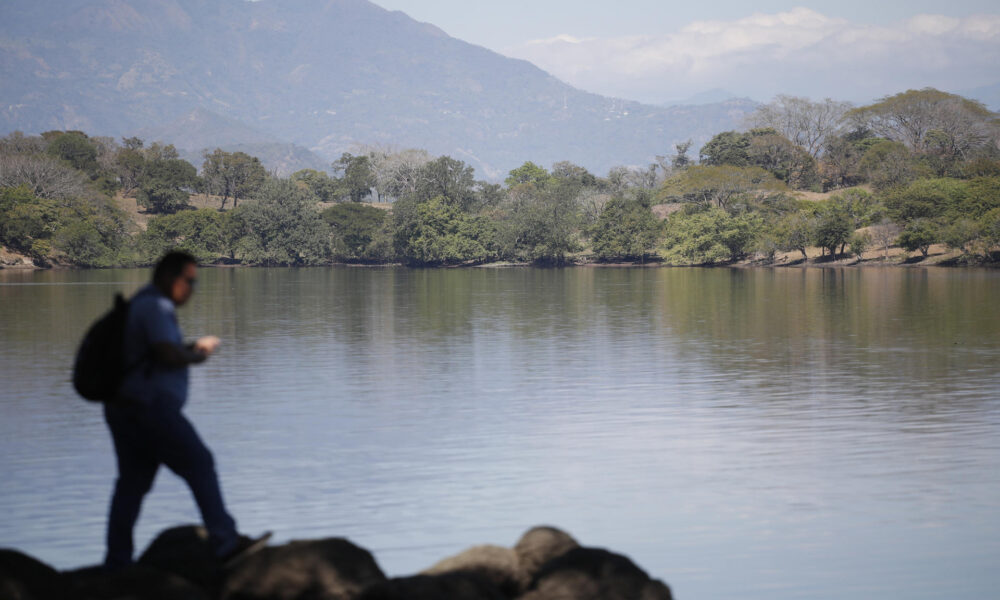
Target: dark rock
x: 498, y: 565
x: 137, y: 582
x: 541, y: 544
x: 185, y: 551
x: 450, y: 586
x: 594, y: 574
x: 329, y: 569
x: 25, y: 578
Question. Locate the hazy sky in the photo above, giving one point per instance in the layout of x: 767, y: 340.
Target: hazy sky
x: 654, y: 51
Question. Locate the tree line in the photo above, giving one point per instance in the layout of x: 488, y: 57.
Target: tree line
x: 912, y: 170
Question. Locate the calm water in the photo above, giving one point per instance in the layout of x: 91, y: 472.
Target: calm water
x: 737, y: 433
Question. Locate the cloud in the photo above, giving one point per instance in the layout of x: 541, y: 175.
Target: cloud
x: 800, y: 51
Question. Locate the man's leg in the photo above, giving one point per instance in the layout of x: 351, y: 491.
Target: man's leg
x: 183, y: 451
x: 136, y: 470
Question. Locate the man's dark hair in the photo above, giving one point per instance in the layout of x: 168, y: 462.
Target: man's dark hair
x: 171, y: 266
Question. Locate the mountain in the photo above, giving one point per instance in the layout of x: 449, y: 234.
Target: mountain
x: 324, y: 75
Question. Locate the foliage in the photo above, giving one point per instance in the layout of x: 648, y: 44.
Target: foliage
x: 76, y: 149
x: 280, y: 226
x: 804, y: 123
x: 833, y: 227
x: 927, y: 199
x: 919, y: 234
x: 721, y: 186
x: 356, y: 176
x: 529, y: 172
x: 626, y: 229
x: 888, y: 164
x: 960, y: 234
x: 439, y: 233
x: 200, y: 232
x: 709, y: 236
x: 357, y: 231
x: 859, y: 242
x: 232, y: 175
x: 796, y: 231
x: 541, y: 224
x: 166, y: 185
x: 318, y: 183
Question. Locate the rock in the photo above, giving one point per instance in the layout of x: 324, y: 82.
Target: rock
x: 449, y: 586
x: 186, y: 552
x: 25, y: 578
x: 498, y: 565
x: 594, y: 574
x: 541, y: 544
x: 137, y: 582
x: 328, y: 569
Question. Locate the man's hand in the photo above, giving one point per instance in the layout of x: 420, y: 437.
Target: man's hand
x: 206, y: 345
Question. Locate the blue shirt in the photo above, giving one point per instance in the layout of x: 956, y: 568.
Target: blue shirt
x: 152, y: 319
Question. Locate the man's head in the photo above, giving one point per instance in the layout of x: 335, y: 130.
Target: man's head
x: 175, y: 275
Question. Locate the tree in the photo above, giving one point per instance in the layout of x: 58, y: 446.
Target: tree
x: 44, y: 176
x: 356, y: 176
x: 709, y: 236
x: 232, y: 175
x: 280, y: 226
x: 926, y: 199
x: 889, y: 164
x: 76, y: 149
x: 450, y: 179
x: 961, y: 234
x: 570, y: 172
x: 626, y: 229
x: 356, y: 227
x: 927, y: 120
x: 726, y: 148
x: 833, y: 228
x: 805, y: 123
x: 884, y: 233
x: 721, y: 186
x: 529, y: 172
x: 681, y: 160
x: 783, y: 159
x: 541, y: 224
x: 796, y: 231
x: 438, y: 233
x: 919, y: 234
x: 859, y: 242
x: 318, y: 183
x: 166, y: 185
x: 200, y: 232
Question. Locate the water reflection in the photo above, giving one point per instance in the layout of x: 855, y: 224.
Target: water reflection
x: 739, y: 433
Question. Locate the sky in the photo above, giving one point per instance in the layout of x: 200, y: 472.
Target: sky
x: 656, y: 51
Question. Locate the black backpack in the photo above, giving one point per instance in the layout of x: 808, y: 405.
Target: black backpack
x: 99, y: 366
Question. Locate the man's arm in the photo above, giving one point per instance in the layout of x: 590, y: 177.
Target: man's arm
x: 173, y: 355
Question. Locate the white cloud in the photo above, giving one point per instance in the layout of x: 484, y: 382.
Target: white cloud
x: 800, y: 51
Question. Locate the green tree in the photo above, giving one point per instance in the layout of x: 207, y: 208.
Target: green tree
x: 919, y: 234
x: 833, y: 228
x: 317, y: 182
x: 796, y: 231
x: 356, y: 230
x: 626, y: 229
x: 26, y: 221
x: 166, y: 185
x: 726, y: 148
x: 200, y: 232
x: 860, y: 242
x: 541, y: 225
x: 721, y: 186
x: 927, y: 199
x: 75, y: 148
x: 280, y: 226
x: 888, y: 164
x: 440, y: 233
x: 356, y: 176
x: 960, y: 234
x: 232, y: 175
x: 529, y: 172
x: 709, y: 236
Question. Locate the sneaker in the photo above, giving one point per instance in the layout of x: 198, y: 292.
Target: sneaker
x: 245, y: 546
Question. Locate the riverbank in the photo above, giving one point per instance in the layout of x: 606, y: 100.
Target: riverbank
x: 545, y: 563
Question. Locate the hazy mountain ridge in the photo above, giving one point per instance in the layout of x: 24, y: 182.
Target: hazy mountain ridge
x: 322, y: 74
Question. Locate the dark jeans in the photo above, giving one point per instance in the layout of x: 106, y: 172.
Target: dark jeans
x: 145, y: 438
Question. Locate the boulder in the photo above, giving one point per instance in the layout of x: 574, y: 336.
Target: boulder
x: 185, y: 551
x: 25, y: 578
x: 496, y: 564
x: 541, y: 544
x: 447, y: 586
x: 594, y: 574
x: 327, y: 569
x: 137, y: 582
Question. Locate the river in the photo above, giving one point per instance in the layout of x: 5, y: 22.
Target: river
x: 738, y: 433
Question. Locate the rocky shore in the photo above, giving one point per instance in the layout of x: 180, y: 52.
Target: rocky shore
x: 545, y: 564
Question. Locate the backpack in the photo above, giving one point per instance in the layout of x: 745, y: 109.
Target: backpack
x: 98, y: 370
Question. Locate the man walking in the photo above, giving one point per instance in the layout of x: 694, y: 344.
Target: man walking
x: 146, y: 422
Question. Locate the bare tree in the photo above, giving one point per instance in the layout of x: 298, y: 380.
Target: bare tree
x: 396, y: 171
x: 884, y: 233
x: 45, y: 176
x: 804, y: 122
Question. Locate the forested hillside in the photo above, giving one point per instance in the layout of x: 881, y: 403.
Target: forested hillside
x: 913, y: 171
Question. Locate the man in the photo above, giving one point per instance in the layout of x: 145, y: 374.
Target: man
x: 146, y: 422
